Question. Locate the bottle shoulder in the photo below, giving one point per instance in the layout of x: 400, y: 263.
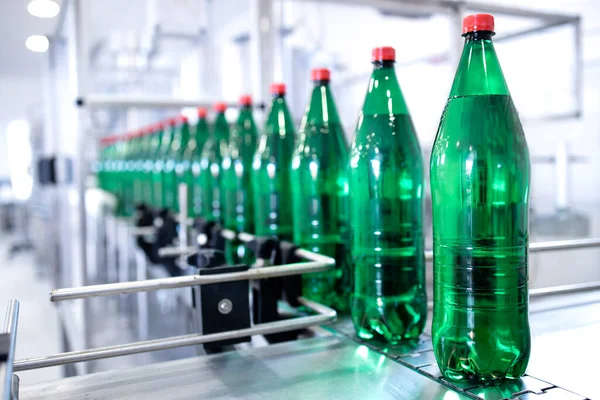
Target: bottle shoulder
x: 481, y: 125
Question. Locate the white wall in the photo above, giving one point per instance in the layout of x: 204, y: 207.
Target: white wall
x: 20, y: 94
x: 537, y: 67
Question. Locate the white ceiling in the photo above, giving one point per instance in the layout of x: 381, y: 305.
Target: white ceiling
x: 16, y: 24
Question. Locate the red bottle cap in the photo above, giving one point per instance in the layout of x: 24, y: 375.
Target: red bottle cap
x: 320, y: 74
x: 383, y: 54
x: 246, y: 100
x: 278, y: 88
x: 478, y: 22
x: 182, y: 119
x: 172, y: 121
x: 220, y: 107
x: 202, y: 112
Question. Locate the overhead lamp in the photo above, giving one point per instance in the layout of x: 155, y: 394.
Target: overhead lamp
x: 37, y: 43
x: 43, y: 8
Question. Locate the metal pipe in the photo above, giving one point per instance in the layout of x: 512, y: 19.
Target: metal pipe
x: 557, y: 245
x: 578, y: 68
x: 242, y: 236
x: 507, y: 10
x: 563, y: 289
x: 118, y: 100
x: 447, y: 6
x: 175, y: 251
x: 318, y: 263
x: 326, y: 315
x: 10, y: 328
x: 395, y: 5
x: 228, y: 234
x: 537, y: 29
x: 142, y: 230
x: 61, y: 17
x: 564, y: 245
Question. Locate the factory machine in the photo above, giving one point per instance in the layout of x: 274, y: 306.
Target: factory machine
x: 149, y: 309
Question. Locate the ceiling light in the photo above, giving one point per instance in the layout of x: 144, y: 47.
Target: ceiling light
x: 37, y: 43
x: 43, y: 8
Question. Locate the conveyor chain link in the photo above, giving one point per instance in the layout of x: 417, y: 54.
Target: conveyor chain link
x: 420, y: 358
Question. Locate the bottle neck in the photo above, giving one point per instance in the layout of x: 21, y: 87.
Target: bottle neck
x: 479, y: 72
x: 279, y: 118
x: 185, y: 133
x: 321, y: 109
x: 384, y: 95
x: 221, y: 130
x: 201, y: 129
x: 245, y: 121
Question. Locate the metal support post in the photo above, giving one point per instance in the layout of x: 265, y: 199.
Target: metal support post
x: 8, y: 338
x: 456, y: 41
x: 183, y: 227
x: 142, y: 297
x: 262, y: 42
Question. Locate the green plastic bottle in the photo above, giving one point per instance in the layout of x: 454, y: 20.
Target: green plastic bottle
x: 181, y: 136
x: 150, y: 135
x: 128, y: 180
x: 139, y: 144
x: 386, y: 200
x: 165, y: 136
x: 108, y: 170
x: 189, y: 159
x: 480, y: 188
x: 215, y: 149
x: 320, y: 194
x: 271, y: 167
x: 201, y: 135
x: 102, y: 168
x: 180, y: 133
x: 237, y: 189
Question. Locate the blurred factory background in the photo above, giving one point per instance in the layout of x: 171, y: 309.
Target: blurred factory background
x: 132, y: 63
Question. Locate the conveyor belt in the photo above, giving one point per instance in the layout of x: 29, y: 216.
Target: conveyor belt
x: 331, y: 367
x: 562, y: 360
x: 339, y: 365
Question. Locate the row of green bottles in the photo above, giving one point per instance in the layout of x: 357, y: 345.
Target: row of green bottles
x: 365, y: 207
x: 145, y: 167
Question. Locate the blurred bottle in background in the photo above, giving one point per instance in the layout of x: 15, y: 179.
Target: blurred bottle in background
x: 175, y: 159
x: 215, y: 149
x: 271, y: 170
x: 319, y: 181
x: 386, y: 199
x: 179, y: 134
x: 166, y: 136
x: 190, y: 161
x: 150, y: 136
x: 237, y: 188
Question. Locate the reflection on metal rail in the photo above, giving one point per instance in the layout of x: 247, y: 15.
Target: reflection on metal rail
x: 325, y: 315
x: 8, y: 336
x: 564, y: 289
x: 316, y: 263
x: 549, y: 246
